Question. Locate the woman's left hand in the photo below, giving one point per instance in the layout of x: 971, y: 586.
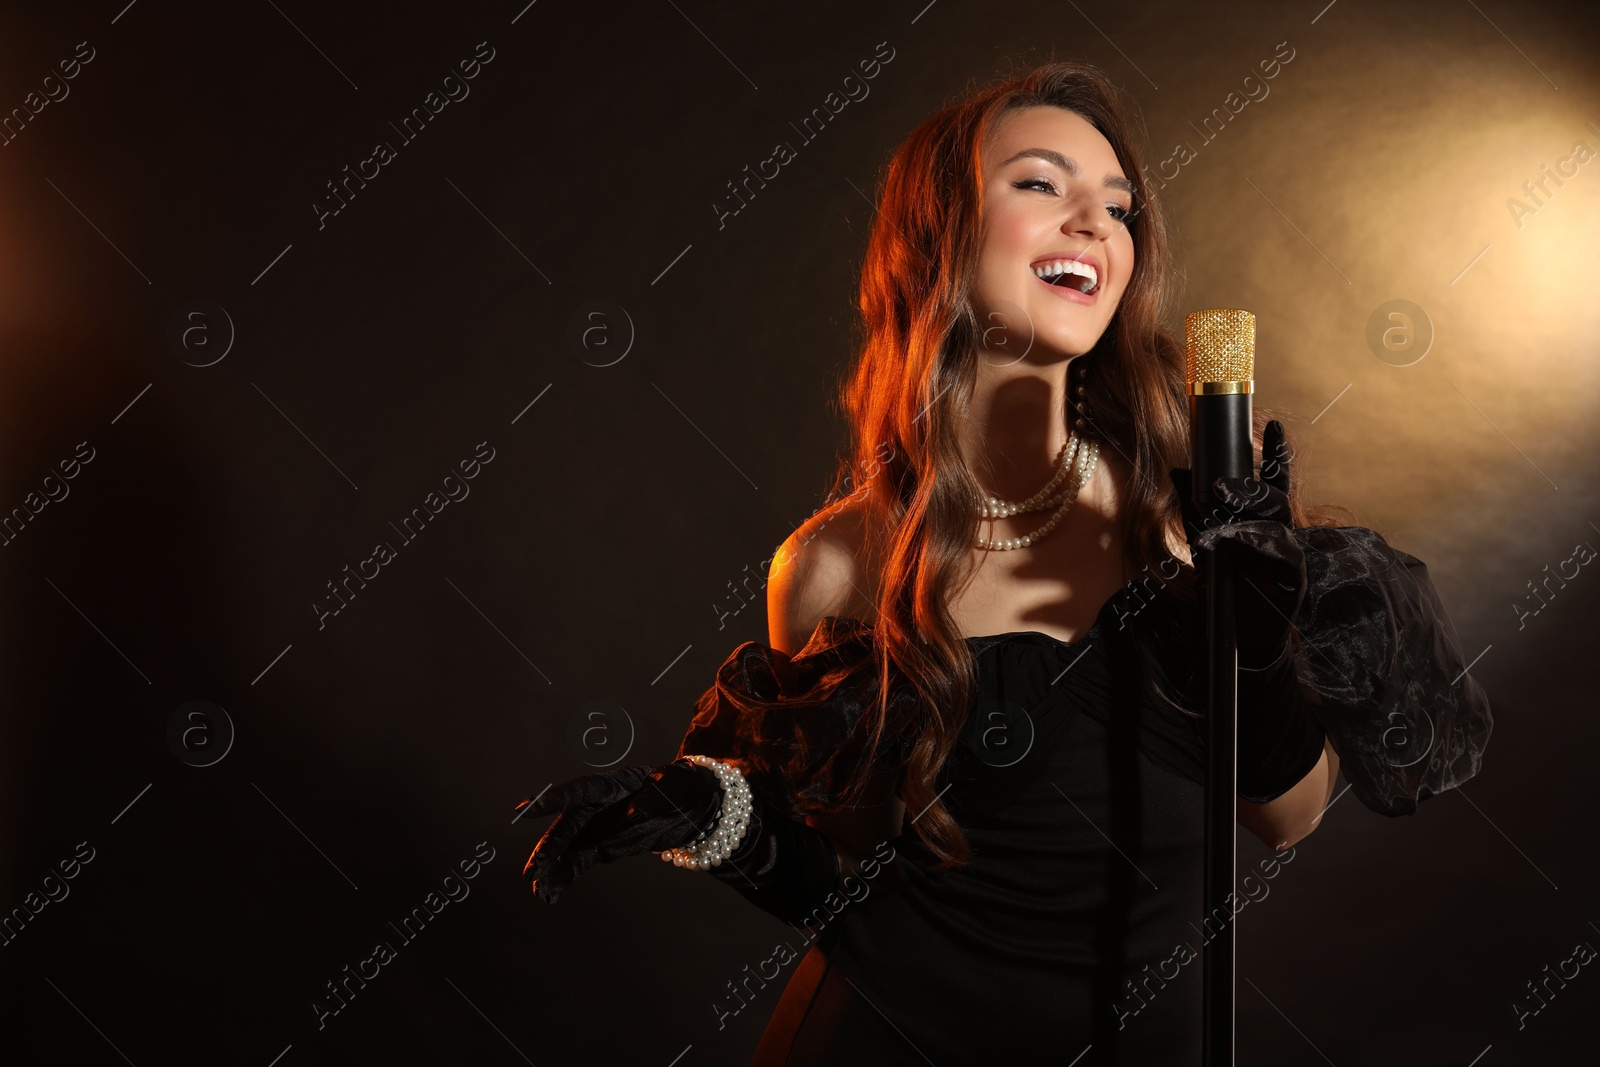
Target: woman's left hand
x: 1254, y: 517
x: 616, y: 813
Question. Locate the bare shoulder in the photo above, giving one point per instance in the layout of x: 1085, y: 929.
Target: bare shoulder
x: 819, y: 570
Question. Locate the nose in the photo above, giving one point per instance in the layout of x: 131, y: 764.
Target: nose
x: 1089, y: 219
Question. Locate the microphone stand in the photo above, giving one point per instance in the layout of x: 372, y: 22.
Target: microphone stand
x: 1221, y: 831
x: 1220, y: 355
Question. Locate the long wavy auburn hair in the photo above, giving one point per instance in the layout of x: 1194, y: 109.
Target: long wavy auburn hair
x: 914, y: 372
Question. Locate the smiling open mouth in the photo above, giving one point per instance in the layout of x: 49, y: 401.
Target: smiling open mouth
x: 1069, y: 274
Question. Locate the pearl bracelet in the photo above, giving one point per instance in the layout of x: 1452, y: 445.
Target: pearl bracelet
x: 713, y: 846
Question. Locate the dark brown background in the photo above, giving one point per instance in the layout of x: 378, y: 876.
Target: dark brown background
x: 589, y: 561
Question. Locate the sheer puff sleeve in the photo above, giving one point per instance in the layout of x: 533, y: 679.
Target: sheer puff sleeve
x: 1384, y: 669
x: 794, y: 725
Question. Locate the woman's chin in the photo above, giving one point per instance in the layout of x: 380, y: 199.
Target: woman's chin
x: 1066, y: 345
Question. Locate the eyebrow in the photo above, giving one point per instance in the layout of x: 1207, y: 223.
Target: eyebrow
x: 1050, y: 155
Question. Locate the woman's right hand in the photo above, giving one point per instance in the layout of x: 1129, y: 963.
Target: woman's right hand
x: 1254, y: 517
x: 617, y: 813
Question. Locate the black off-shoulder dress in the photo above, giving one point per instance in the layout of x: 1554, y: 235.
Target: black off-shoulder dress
x: 1074, y: 936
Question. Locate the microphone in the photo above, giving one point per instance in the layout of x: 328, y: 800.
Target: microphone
x: 1220, y: 355
x: 1220, y: 366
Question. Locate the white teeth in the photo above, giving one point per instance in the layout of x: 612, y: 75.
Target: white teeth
x: 1068, y: 266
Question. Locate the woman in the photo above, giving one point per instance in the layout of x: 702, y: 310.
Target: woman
x: 969, y: 766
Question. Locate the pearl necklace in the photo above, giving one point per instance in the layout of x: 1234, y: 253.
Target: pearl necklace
x: 1078, y: 457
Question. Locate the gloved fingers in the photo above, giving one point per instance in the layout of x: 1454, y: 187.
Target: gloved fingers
x: 691, y: 792
x: 1234, y: 500
x: 676, y: 803
x: 559, y: 871
x: 1269, y: 586
x: 1275, y: 457
x: 671, y: 806
x: 1241, y: 495
x: 556, y: 839
x: 577, y: 801
x: 1264, y: 550
x: 619, y: 832
x: 1245, y: 499
x: 552, y: 882
x: 586, y: 790
x: 1275, y: 472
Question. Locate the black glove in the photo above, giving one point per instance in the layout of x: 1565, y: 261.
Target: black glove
x: 1280, y: 740
x: 782, y: 865
x: 617, y: 813
x: 1252, y: 518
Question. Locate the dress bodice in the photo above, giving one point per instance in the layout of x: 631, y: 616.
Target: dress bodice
x: 1379, y: 659
x: 1080, y: 795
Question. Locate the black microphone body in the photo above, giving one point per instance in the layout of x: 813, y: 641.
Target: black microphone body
x: 1219, y: 442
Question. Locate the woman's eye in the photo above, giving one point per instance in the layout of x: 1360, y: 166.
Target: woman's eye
x: 1116, y: 211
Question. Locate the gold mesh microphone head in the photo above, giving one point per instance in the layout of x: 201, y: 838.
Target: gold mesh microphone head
x: 1220, y: 353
